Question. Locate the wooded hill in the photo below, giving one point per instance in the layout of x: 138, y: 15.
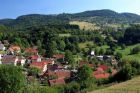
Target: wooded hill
x: 99, y: 17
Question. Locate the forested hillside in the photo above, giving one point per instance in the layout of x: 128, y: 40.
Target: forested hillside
x: 98, y: 17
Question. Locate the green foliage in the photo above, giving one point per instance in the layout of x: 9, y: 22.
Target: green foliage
x: 118, y: 55
x: 132, y: 35
x: 135, y: 50
x: 69, y: 58
x: 12, y: 79
x: 84, y: 73
x: 72, y: 87
x: 33, y: 71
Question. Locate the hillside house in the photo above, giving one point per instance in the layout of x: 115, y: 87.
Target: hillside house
x: 42, y: 65
x: 31, y: 51
x: 92, y: 53
x: 2, y: 47
x: 9, y: 59
x: 81, y: 63
x: 14, y: 49
x: 56, y: 82
x: 14, y: 60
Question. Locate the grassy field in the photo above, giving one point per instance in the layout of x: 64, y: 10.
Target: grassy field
x: 126, y: 53
x: 131, y: 86
x: 85, y: 45
x: 64, y: 35
x: 85, y: 25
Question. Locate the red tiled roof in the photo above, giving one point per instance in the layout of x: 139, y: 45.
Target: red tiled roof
x: 56, y: 82
x: 58, y: 56
x: 34, y: 57
x: 59, y: 73
x: 98, y: 71
x: 31, y: 50
x: 48, y: 61
x: 102, y: 76
x: 14, y: 48
x: 39, y: 65
x: 104, y: 67
x: 86, y: 63
x: 63, y: 74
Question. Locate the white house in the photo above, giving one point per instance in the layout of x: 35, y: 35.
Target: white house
x: 21, y: 61
x: 2, y: 47
x: 92, y: 53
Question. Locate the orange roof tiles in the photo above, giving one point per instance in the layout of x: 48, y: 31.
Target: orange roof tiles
x: 14, y: 48
x: 102, y: 76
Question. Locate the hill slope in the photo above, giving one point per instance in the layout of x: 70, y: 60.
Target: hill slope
x: 98, y: 17
x: 131, y: 86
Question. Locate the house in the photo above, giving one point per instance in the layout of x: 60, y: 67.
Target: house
x: 59, y: 74
x: 98, y: 71
x: 55, y: 67
x: 56, y: 82
x: 104, y: 67
x: 43, y: 64
x: 2, y: 47
x: 14, y: 48
x: 21, y: 61
x: 40, y: 65
x: 9, y: 59
x: 0, y: 59
x: 101, y: 76
x: 81, y: 63
x: 92, y: 53
x: 6, y: 43
x: 100, y: 58
x: 35, y: 58
x: 31, y: 51
x: 104, y: 57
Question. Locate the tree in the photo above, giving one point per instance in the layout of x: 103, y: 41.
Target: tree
x: 12, y: 79
x: 69, y: 58
x: 102, y: 51
x: 62, y: 45
x: 135, y: 50
x: 33, y: 71
x: 124, y: 74
x: 51, y: 50
x: 118, y: 55
x: 72, y: 87
x: 123, y: 46
x: 84, y: 73
x: 96, y: 51
x: 85, y: 78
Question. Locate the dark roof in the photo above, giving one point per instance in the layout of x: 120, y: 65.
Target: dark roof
x: 56, y: 82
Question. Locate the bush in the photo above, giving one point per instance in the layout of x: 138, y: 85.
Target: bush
x: 12, y: 79
x: 135, y: 50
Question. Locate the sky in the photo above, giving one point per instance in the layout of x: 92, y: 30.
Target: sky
x: 15, y: 8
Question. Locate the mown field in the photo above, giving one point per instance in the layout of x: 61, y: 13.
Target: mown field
x: 131, y: 86
x: 85, y: 25
x: 126, y: 53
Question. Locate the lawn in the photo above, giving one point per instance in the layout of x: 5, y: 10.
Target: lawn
x: 85, y: 25
x: 85, y: 44
x: 131, y: 86
x: 65, y: 35
x: 126, y: 53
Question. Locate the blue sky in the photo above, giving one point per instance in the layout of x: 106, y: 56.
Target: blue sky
x: 14, y: 8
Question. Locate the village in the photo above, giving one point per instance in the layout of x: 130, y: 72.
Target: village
x: 56, y: 69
